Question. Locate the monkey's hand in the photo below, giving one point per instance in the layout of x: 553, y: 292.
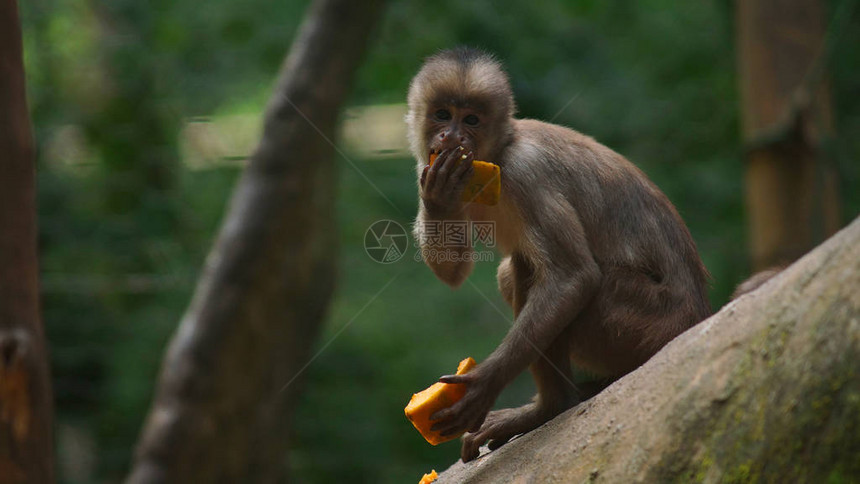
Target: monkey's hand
x: 501, y: 425
x: 469, y: 412
x: 442, y: 183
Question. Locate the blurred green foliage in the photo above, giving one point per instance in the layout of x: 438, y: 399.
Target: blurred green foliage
x: 125, y: 225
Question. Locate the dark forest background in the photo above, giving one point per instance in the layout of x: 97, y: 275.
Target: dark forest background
x: 144, y: 113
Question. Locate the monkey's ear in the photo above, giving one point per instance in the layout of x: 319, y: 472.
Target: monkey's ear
x: 466, y: 378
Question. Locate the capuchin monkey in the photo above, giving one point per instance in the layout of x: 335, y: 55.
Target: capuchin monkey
x: 598, y: 266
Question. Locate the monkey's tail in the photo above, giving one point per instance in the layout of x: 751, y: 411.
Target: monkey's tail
x: 755, y: 281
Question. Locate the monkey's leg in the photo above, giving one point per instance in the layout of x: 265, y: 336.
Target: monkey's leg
x: 556, y: 393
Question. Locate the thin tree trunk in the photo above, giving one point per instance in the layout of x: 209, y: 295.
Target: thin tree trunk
x: 220, y: 412
x: 791, y: 193
x: 25, y: 394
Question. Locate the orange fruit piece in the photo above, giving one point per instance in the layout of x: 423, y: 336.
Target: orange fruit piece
x: 429, y: 477
x: 438, y: 396
x: 485, y: 186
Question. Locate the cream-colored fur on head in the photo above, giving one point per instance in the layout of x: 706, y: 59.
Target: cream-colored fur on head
x: 457, y: 74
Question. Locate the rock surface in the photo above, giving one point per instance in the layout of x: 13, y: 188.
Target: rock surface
x: 765, y: 390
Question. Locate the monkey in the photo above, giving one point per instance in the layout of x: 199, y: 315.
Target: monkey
x: 755, y: 281
x: 598, y: 267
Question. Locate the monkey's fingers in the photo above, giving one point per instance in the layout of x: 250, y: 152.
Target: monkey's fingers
x: 445, y: 165
x: 477, y: 424
x: 441, y: 416
x: 496, y: 443
x: 447, y: 426
x: 472, y: 446
x: 464, y: 164
x: 464, y: 180
x: 452, y: 419
x: 461, y: 176
x: 451, y: 430
x: 498, y: 432
x: 423, y: 176
x: 458, y: 418
x: 464, y: 378
x: 437, y: 177
x: 429, y: 176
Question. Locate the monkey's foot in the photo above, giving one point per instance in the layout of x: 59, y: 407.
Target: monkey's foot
x: 501, y: 425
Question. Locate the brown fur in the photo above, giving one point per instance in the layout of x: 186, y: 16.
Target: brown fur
x: 755, y: 281
x: 599, y: 268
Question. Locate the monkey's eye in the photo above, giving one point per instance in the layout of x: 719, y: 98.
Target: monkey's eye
x: 471, y: 120
x: 442, y: 115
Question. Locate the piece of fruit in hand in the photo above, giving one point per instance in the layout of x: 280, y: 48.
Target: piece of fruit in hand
x: 485, y: 186
x: 438, y: 396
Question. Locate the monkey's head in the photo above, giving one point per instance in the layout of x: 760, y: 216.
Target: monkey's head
x: 460, y: 97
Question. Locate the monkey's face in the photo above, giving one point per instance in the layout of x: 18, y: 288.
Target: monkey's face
x: 448, y: 127
x: 460, y: 98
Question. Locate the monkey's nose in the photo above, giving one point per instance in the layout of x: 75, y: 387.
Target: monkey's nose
x: 452, y: 140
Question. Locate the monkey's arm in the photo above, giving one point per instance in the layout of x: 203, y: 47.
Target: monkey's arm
x: 442, y: 227
x: 555, y: 297
x: 449, y: 259
x: 563, y: 277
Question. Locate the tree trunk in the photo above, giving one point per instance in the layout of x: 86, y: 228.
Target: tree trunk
x: 227, y: 382
x: 25, y: 394
x: 766, y: 390
x: 791, y: 192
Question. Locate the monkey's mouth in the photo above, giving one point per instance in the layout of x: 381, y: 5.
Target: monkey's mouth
x: 434, y: 152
